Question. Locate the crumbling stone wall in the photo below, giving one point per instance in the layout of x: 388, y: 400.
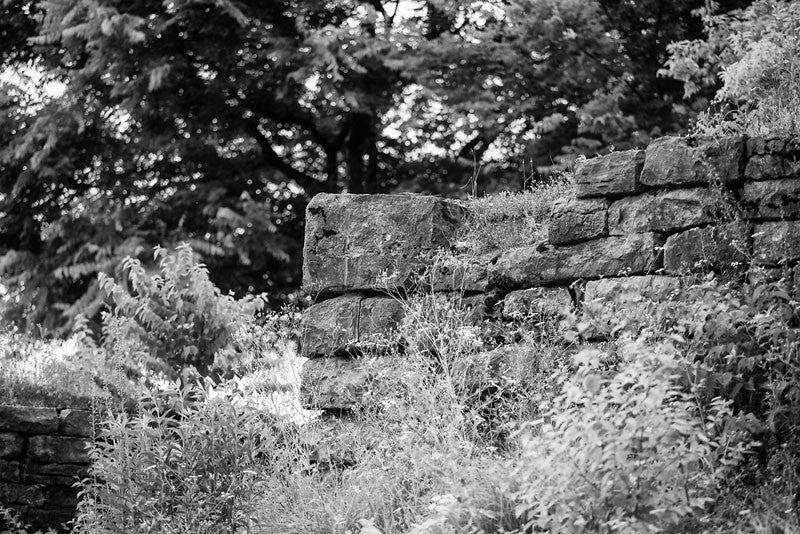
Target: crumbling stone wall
x: 42, y: 453
x: 638, y: 220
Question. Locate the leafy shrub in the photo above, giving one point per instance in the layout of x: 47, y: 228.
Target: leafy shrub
x: 756, y: 54
x: 53, y: 373
x: 625, y: 453
x: 176, y: 318
x: 191, y: 460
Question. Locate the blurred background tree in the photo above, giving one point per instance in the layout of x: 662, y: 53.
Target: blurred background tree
x: 129, y: 124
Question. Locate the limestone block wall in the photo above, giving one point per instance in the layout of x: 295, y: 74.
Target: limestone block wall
x: 638, y: 220
x: 42, y: 453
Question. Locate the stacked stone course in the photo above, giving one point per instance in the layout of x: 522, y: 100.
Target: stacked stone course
x: 42, y: 454
x: 638, y: 220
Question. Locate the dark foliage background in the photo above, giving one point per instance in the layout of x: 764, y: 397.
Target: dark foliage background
x: 129, y: 124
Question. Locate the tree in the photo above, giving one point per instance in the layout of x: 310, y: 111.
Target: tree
x: 156, y: 122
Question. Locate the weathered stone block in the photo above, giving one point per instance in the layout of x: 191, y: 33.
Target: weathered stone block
x: 771, y: 167
x: 531, y: 267
x: 11, y: 445
x: 9, y: 471
x: 459, y: 274
x: 665, y: 211
x: 678, y: 161
x: 614, y: 304
x: 334, y: 383
x: 75, y: 422
x: 340, y: 324
x: 615, y: 174
x: 359, y: 242
x: 67, y: 470
x: 50, y: 480
x: 709, y: 247
x: 50, y: 517
x: 28, y: 419
x: 774, y: 242
x: 11, y: 493
x: 536, y: 301
x: 758, y: 146
x: 58, y: 449
x: 773, y: 199
x: 573, y: 221
x: 631, y: 289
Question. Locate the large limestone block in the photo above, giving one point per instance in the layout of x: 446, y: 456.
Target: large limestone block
x: 58, y: 449
x: 536, y: 302
x: 678, y: 161
x: 573, y: 221
x: 772, y: 158
x: 9, y: 471
x: 28, y: 419
x: 334, y: 383
x: 465, y: 275
x: 11, y: 493
x: 532, y: 266
x: 665, y: 211
x: 615, y: 174
x: 709, y: 247
x: 11, y: 445
x: 348, y: 322
x: 361, y: 242
x: 775, y: 242
x: 773, y: 199
x: 75, y: 422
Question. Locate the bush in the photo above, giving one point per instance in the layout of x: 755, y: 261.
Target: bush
x: 175, y: 319
x: 191, y: 460
x: 756, y: 54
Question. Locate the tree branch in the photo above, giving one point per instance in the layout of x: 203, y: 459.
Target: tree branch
x: 272, y: 157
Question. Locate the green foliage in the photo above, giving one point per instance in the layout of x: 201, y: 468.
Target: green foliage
x: 188, y: 461
x: 128, y: 125
x: 628, y: 452
x: 754, y: 54
x: 55, y: 373
x: 175, y: 318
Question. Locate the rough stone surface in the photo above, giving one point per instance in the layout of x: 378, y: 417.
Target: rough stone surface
x: 11, y: 445
x: 772, y: 166
x: 457, y: 274
x: 531, y: 267
x: 773, y: 199
x: 615, y: 174
x: 708, y: 247
x: 9, y: 471
x: 774, y: 242
x: 353, y: 242
x: 11, y: 493
x: 342, y: 323
x: 28, y: 419
x: 536, y: 301
x: 334, y: 383
x: 665, y: 211
x: 75, y: 422
x: 676, y: 161
x: 58, y: 449
x: 66, y: 470
x: 758, y: 146
x: 573, y: 221
x: 632, y: 289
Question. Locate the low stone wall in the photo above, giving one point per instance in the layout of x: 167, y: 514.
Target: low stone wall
x: 42, y: 454
x: 639, y: 219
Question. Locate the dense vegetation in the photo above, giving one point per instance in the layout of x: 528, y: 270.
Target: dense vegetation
x: 685, y: 420
x: 128, y: 125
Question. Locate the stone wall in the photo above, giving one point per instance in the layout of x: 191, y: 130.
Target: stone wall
x: 638, y: 220
x: 42, y: 453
